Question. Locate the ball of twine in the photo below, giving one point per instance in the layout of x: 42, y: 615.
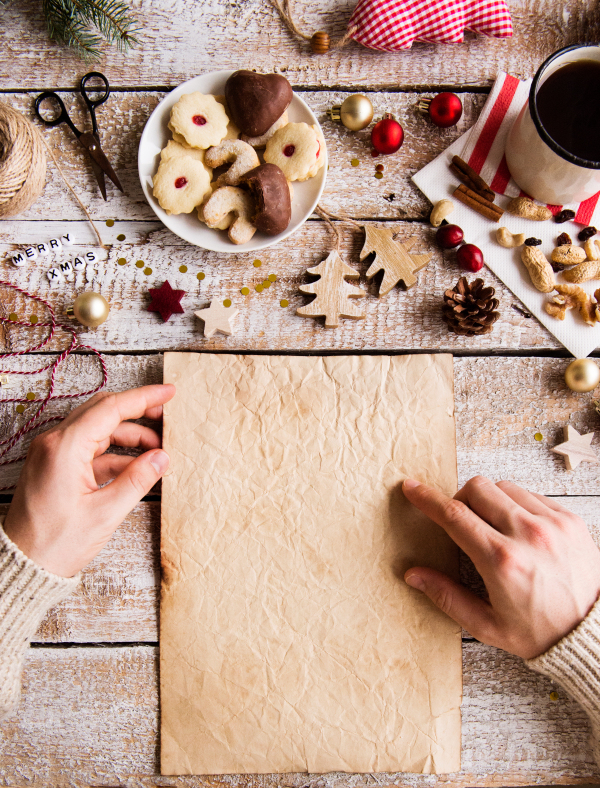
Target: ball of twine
x: 22, y: 162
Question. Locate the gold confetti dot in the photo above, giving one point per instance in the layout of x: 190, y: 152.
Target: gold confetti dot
x: 13, y: 316
x: 266, y: 283
x: 227, y: 302
x: 272, y: 278
x: 20, y: 408
x: 245, y: 291
x: 110, y: 222
x: 554, y: 695
x: 147, y: 271
x: 120, y: 237
x: 183, y: 269
x: 379, y: 175
x: 139, y: 263
x: 33, y: 319
x: 538, y: 436
x: 257, y: 263
x: 122, y: 261
x: 355, y: 162
x: 284, y: 302
x: 30, y: 396
x: 258, y: 288
x: 200, y: 276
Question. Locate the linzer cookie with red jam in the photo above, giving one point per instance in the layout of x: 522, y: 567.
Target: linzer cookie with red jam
x: 295, y: 149
x: 181, y: 184
x: 256, y: 101
x: 199, y: 119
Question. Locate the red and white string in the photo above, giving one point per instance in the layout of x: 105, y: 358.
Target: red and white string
x: 34, y: 421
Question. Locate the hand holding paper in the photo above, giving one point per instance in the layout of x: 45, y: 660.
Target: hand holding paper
x: 540, y: 566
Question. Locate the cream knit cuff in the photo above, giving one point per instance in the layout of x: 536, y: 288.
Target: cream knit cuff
x: 27, y: 592
x: 574, y: 663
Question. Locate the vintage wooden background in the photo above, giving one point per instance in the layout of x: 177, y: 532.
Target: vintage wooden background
x: 89, y: 714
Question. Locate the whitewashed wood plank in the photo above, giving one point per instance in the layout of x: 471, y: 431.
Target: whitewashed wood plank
x: 352, y: 190
x: 181, y: 38
x: 117, y: 600
x: 501, y: 403
x: 402, y: 320
x: 89, y: 717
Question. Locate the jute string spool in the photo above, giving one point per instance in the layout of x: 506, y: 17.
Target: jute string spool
x: 22, y: 162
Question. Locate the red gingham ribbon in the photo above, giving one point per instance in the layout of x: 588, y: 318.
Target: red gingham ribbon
x: 390, y: 25
x: 34, y: 421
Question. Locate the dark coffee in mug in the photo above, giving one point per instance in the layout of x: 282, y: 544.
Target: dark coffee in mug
x: 568, y: 105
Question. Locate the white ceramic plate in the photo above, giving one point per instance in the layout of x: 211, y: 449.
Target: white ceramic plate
x: 187, y: 225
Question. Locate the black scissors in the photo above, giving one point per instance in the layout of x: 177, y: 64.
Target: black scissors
x: 89, y: 140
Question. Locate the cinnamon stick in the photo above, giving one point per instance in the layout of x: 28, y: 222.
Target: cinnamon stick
x: 478, y: 203
x: 470, y: 178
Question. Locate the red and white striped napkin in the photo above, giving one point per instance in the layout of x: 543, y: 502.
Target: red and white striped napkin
x: 390, y: 25
x: 485, y: 144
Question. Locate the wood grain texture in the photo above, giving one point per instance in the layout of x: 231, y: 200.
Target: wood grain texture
x: 501, y: 403
x: 402, y: 320
x: 352, y: 190
x: 89, y: 717
x: 180, y: 39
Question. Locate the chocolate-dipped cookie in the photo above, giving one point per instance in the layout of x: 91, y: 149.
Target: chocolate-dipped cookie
x: 256, y: 101
x: 271, y: 193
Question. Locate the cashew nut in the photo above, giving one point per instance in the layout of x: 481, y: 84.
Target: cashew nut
x: 527, y: 209
x: 592, y: 249
x: 230, y: 199
x: 567, y: 254
x: 509, y: 240
x: 440, y: 210
x: 540, y: 270
x: 590, y: 269
x: 242, y: 155
x: 260, y: 142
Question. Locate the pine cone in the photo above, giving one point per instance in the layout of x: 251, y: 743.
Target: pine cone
x: 469, y: 308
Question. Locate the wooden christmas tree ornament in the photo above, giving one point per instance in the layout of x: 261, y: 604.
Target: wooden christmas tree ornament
x: 217, y: 317
x: 333, y: 292
x: 392, y: 258
x: 576, y: 448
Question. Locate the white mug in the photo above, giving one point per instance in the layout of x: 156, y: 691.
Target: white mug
x: 540, y: 166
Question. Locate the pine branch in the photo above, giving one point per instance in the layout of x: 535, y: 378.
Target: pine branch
x: 111, y: 18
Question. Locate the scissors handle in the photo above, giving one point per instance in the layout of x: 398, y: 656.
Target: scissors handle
x: 93, y: 103
x: 61, y: 117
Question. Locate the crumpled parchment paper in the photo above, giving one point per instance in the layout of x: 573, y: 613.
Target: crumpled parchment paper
x: 288, y: 639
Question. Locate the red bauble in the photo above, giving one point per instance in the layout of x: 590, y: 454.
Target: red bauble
x: 445, y: 110
x: 449, y: 236
x: 387, y: 136
x: 470, y: 258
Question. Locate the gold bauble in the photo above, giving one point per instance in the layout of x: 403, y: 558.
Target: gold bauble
x: 355, y: 113
x: 90, y: 309
x: 582, y: 375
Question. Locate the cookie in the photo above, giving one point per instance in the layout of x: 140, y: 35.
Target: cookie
x: 256, y: 101
x: 230, y: 199
x: 233, y: 133
x: 180, y: 184
x: 242, y: 155
x: 260, y: 142
x: 200, y: 120
x: 174, y: 149
x: 227, y: 220
x: 272, y: 199
x: 294, y: 150
x: 320, y: 153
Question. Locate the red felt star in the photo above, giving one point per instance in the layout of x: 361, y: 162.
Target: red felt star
x: 165, y: 300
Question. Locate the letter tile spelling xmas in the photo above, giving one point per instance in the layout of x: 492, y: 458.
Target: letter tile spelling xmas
x: 61, y: 271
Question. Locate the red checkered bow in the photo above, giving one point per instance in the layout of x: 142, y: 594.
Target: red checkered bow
x: 390, y: 25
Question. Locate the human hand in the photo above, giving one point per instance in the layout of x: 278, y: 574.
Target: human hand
x: 59, y: 517
x: 537, y: 559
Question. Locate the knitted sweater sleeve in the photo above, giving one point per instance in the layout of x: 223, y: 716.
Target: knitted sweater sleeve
x: 27, y: 592
x: 574, y: 663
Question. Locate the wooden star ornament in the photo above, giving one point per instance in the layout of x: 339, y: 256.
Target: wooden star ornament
x: 576, y: 448
x: 217, y: 317
x: 166, y: 301
x: 393, y: 258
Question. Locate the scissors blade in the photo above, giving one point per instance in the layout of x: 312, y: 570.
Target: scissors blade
x: 100, y: 163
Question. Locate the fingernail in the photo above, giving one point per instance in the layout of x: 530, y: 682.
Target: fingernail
x: 159, y: 461
x: 414, y: 581
x: 410, y: 484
